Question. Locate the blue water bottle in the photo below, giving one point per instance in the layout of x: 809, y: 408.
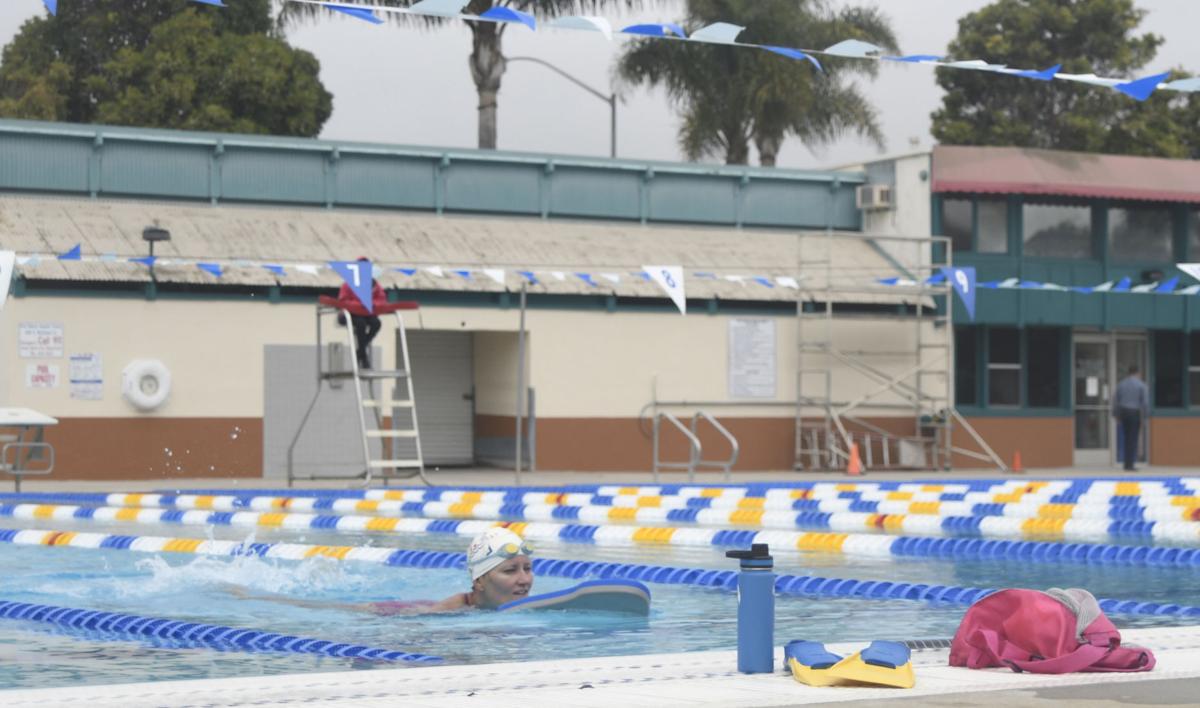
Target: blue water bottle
x: 756, y: 610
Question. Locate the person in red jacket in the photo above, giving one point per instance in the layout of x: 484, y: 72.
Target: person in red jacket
x: 366, y: 324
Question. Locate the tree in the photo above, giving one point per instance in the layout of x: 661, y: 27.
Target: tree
x: 486, y: 62
x: 163, y: 63
x: 1085, y: 36
x: 731, y: 97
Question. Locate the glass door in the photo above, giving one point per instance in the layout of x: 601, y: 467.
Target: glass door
x: 1092, y: 400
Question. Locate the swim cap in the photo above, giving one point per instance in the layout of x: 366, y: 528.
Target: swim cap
x: 491, y: 548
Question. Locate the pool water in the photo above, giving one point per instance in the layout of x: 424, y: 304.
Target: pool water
x: 197, y: 588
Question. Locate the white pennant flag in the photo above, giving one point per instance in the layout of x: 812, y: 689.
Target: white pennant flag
x: 307, y: 268
x: 739, y: 279
x: 787, y: 281
x: 670, y: 279
x: 558, y: 275
x: 7, y: 259
x: 614, y: 278
x: 435, y: 271
x: 1192, y: 269
x: 496, y: 274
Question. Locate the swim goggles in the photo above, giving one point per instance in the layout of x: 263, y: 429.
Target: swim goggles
x: 506, y: 551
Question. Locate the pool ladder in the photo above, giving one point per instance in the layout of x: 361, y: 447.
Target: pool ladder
x: 695, y: 450
x: 371, y: 425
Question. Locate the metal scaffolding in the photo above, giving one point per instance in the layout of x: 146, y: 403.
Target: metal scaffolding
x: 839, y: 384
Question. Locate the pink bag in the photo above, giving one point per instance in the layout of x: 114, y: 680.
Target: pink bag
x: 1052, y: 632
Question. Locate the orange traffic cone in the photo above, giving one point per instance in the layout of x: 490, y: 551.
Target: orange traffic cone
x: 1017, y: 467
x: 854, y: 466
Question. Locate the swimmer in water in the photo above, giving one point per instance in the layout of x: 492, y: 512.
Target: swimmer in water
x: 497, y: 561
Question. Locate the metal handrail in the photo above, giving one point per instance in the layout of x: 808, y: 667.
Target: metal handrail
x: 693, y: 441
x: 727, y: 464
x: 16, y: 470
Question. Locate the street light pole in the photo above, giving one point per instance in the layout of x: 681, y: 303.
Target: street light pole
x: 609, y: 98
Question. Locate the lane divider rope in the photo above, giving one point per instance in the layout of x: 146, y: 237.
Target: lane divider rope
x: 725, y: 580
x: 211, y: 636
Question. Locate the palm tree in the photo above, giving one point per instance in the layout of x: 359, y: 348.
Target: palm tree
x: 732, y: 97
x: 487, y: 57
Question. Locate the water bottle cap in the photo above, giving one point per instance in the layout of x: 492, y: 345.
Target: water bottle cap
x: 757, y: 552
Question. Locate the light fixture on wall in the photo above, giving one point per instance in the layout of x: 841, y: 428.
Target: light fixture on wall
x: 152, y: 235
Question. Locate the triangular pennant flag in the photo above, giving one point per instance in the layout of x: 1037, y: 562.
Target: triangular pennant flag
x: 670, y: 279
x: 888, y: 281
x: 1190, y: 290
x: 587, y: 278
x: 583, y: 22
x: 407, y: 271
x: 614, y: 278
x: 357, y: 275
x: 276, y: 269
x: 507, y: 14
x: 1192, y: 269
x: 765, y: 282
x: 308, y: 268
x: 787, y: 281
x: 108, y: 258
x: 464, y: 274
x: 496, y: 274
x: 1144, y: 287
x: 1103, y: 287
x: 361, y: 13
x: 559, y: 275
x: 1140, y: 89
x: 72, y: 255
x: 51, y: 5
x: 1167, y: 286
x: 528, y: 275
x: 213, y: 268
x: 1122, y: 286
x: 435, y: 271
x: 735, y: 279
x: 7, y: 260
x: 962, y: 280
x: 936, y: 279
x: 795, y: 54
x: 705, y: 275
x: 643, y: 275
x: 144, y: 260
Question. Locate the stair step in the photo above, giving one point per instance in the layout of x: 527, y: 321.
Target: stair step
x: 382, y: 374
x: 391, y: 433
x: 394, y: 464
x: 385, y: 403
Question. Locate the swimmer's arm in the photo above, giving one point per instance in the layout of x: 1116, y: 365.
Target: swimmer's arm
x: 244, y: 594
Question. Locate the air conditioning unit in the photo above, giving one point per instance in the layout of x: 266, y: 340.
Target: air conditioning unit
x: 871, y: 197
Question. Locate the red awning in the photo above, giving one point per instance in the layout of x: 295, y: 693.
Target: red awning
x: 1007, y: 170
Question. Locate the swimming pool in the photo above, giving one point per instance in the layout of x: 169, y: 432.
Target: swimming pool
x: 684, y: 618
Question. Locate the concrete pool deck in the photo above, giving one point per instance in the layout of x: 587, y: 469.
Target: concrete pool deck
x: 691, y: 679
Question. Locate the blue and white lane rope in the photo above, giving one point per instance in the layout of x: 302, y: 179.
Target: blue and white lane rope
x: 829, y: 532
x: 212, y: 636
x: 803, y: 585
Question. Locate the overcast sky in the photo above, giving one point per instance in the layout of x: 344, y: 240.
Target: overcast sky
x: 401, y: 84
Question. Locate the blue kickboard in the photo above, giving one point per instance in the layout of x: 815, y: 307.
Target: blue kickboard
x: 621, y: 596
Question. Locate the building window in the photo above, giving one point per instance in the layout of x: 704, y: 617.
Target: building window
x: 1194, y: 241
x: 1142, y: 234
x: 1043, y: 381
x: 993, y: 226
x: 957, y: 223
x: 1004, y: 366
x: 966, y: 375
x: 1194, y: 369
x: 1057, y: 230
x: 1168, y: 370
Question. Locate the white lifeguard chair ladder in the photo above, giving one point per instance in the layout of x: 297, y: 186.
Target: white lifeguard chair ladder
x: 395, y: 402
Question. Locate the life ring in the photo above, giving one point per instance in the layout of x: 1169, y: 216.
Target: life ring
x: 146, y: 383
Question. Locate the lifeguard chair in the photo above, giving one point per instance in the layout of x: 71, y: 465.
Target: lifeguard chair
x: 382, y: 414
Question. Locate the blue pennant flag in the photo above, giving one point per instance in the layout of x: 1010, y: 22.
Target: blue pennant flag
x: 361, y: 13
x: 1140, y: 89
x: 72, y: 255
x: 1122, y: 286
x: 528, y: 275
x: 357, y: 275
x: 990, y: 285
x: 214, y: 268
x: 763, y: 281
x: 795, y: 54
x: 914, y: 58
x: 1083, y: 289
x: 663, y: 30
x: 1167, y: 286
x: 51, y: 5
x: 276, y: 269
x: 1030, y: 285
x: 464, y: 274
x: 407, y: 271
x: 144, y: 260
x: 963, y: 282
x: 936, y: 279
x: 888, y: 281
x: 217, y: 3
x: 643, y: 275
x: 506, y: 14
x: 705, y: 275
x: 587, y: 278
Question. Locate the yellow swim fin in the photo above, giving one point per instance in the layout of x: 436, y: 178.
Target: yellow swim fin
x: 810, y: 663
x: 881, y: 664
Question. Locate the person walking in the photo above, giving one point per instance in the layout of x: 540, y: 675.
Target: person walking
x: 1130, y: 404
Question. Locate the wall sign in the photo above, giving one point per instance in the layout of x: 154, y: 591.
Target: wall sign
x: 752, y: 358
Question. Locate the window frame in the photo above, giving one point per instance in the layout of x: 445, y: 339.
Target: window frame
x: 1018, y: 366
x: 974, y: 200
